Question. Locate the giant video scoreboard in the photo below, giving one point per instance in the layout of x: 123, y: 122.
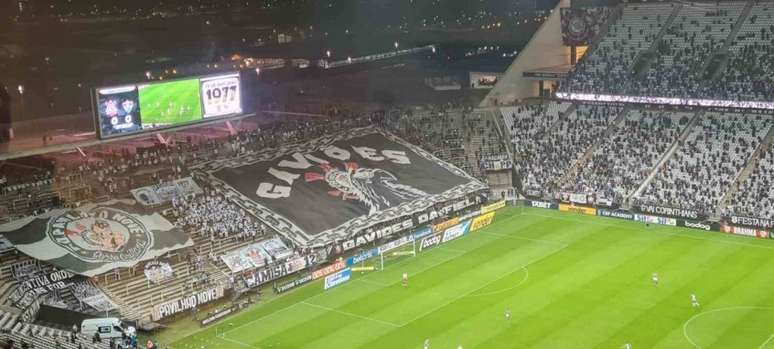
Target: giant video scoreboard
x: 133, y: 108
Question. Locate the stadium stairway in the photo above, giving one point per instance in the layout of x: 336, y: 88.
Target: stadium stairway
x: 136, y: 297
x: 723, y: 50
x: 654, y: 44
x: 734, y: 187
x: 665, y: 158
x: 47, y: 338
x: 615, y: 14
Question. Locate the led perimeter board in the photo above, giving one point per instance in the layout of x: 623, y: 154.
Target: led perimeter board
x: 134, y: 108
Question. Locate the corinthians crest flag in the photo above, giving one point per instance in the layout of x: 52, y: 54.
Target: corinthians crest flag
x: 96, y: 238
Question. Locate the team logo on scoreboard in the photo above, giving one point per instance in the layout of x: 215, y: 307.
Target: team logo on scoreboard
x: 102, y: 234
x: 128, y: 106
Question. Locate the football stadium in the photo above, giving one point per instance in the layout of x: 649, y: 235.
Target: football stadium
x: 359, y: 174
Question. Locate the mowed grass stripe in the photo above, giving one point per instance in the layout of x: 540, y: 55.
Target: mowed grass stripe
x: 635, y: 296
x: 441, y: 283
x: 446, y: 319
x: 747, y: 323
x: 589, y: 288
x: 560, y: 287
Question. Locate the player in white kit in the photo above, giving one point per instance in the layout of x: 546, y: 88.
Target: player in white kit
x: 654, y: 278
x: 695, y: 302
x: 427, y: 343
x: 507, y: 314
x: 405, y: 279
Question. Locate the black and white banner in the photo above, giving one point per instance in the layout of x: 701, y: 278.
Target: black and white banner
x: 95, y: 238
x: 186, y: 303
x: 262, y: 276
x: 671, y: 212
x: 762, y: 223
x: 87, y: 293
x: 158, y: 272
x: 337, y: 186
x: 373, y: 234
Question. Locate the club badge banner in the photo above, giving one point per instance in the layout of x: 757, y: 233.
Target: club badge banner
x: 96, y: 238
x: 158, y: 272
x: 334, y: 187
x: 579, y: 25
x: 165, y: 192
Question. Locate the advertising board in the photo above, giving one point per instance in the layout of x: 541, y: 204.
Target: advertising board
x: 337, y: 278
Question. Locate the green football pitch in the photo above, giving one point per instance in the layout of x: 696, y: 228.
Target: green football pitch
x: 570, y: 281
x: 170, y: 103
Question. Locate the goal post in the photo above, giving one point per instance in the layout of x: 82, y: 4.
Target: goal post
x: 394, y: 251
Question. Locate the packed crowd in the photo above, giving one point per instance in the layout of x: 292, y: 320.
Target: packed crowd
x: 607, y: 68
x: 755, y: 195
x: 545, y: 149
x: 215, y: 217
x: 632, y: 59
x: 622, y: 161
x: 701, y: 170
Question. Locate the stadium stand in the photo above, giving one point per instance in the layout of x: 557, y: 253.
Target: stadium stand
x: 608, y: 68
x: 754, y: 196
x: 708, y: 162
x: 545, y: 149
x: 623, y: 160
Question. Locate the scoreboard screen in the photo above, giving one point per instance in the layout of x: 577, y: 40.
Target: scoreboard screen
x: 135, y: 108
x: 221, y: 95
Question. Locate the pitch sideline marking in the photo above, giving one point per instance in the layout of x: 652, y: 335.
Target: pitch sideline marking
x: 694, y: 317
x: 563, y: 246
x: 766, y: 342
x: 223, y: 337
x: 523, y: 280
x: 350, y: 314
x: 312, y: 297
x: 720, y: 241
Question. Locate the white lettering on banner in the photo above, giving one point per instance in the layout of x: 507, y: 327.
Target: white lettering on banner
x: 755, y: 222
x: 182, y: 304
x: 668, y: 211
x: 698, y: 225
x: 301, y: 162
x: 578, y: 198
x: 372, y: 235
x: 541, y: 204
x: 396, y: 243
x: 455, y: 231
x: 430, y: 241
x: 338, y: 278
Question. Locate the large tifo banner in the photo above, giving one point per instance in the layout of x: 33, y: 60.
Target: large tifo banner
x: 96, y: 238
x: 334, y: 187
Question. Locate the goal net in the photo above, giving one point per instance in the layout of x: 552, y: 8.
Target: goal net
x: 392, y: 253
